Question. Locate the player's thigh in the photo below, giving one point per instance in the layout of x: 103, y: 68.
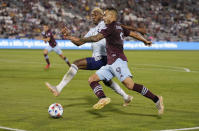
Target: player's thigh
x: 104, y: 73
x: 81, y: 63
x: 120, y: 69
x: 128, y: 83
x: 57, y: 50
x: 48, y: 49
x: 95, y: 63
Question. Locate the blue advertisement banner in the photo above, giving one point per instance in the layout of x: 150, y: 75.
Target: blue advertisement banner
x: 65, y: 44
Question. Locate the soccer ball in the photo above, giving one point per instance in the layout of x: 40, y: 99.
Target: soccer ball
x: 55, y: 110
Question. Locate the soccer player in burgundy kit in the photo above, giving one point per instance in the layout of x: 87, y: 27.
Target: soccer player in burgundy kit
x: 117, y: 61
x: 48, y: 36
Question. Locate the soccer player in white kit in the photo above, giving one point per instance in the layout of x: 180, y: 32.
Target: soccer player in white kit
x: 98, y: 59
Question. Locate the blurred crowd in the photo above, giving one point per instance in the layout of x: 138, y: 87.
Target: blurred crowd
x: 165, y: 20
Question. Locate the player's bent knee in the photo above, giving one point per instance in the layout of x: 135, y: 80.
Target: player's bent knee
x: 45, y: 52
x: 128, y: 83
x: 77, y: 63
x: 93, y: 78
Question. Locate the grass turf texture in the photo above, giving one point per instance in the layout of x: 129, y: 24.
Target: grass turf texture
x: 24, y: 99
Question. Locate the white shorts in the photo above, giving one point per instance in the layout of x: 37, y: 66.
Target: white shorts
x: 119, y: 69
x: 55, y: 49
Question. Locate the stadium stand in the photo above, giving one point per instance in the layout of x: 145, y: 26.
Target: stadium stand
x: 165, y: 20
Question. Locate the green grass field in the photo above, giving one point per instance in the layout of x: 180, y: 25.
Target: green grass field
x: 24, y: 99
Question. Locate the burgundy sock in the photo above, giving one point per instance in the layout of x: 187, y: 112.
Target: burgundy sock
x: 47, y: 60
x: 145, y: 92
x: 97, y: 89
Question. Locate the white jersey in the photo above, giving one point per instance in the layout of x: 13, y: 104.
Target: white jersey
x: 98, y: 48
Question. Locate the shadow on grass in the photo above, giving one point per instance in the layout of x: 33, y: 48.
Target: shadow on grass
x: 111, y: 108
x: 90, y: 101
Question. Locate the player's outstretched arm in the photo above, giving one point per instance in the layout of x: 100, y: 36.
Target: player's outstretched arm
x: 140, y: 38
x: 140, y: 30
x: 94, y: 38
x: 75, y: 40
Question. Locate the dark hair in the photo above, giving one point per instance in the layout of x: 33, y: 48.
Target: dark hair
x: 112, y: 9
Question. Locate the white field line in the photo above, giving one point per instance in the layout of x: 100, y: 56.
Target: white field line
x: 10, y: 129
x: 163, y: 66
x: 182, y: 129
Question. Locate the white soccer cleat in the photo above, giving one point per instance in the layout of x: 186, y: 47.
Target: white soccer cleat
x: 53, y: 89
x: 101, y: 103
x: 160, y: 105
x: 126, y: 102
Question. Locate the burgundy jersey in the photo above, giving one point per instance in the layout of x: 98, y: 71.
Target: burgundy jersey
x: 114, y: 34
x: 52, y: 41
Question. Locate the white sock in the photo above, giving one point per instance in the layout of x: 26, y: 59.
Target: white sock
x: 67, y: 77
x: 118, y: 90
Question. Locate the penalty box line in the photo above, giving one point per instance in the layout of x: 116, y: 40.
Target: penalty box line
x: 10, y: 129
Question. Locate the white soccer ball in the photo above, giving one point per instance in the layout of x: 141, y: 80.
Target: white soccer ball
x: 55, y: 110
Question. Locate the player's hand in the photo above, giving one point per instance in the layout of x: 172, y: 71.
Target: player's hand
x: 148, y: 43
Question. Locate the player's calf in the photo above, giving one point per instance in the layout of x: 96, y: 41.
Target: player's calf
x: 47, y: 61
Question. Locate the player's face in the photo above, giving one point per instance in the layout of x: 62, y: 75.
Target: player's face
x: 96, y: 17
x: 108, y: 17
x: 45, y: 28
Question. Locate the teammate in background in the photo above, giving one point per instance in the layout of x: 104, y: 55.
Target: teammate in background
x: 98, y: 59
x: 117, y: 61
x: 48, y: 36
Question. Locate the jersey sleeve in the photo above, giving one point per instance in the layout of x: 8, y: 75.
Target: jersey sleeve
x: 126, y: 32
x: 106, y: 31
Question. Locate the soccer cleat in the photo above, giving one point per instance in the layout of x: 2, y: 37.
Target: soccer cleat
x: 47, y: 66
x: 101, y: 103
x: 160, y: 105
x: 53, y: 89
x: 126, y: 102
